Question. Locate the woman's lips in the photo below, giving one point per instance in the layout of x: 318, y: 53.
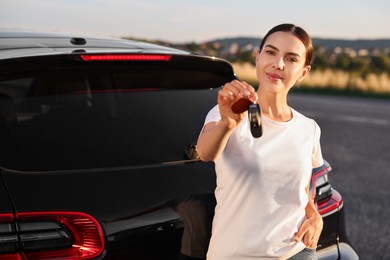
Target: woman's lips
x: 274, y: 76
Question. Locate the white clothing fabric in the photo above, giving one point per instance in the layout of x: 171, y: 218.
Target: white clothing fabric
x: 260, y: 192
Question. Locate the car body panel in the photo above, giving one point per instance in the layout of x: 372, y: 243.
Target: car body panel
x: 16, y: 44
x: 340, y: 251
x: 112, y: 194
x: 5, y: 203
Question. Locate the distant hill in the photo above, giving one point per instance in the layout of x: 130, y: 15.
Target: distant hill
x: 354, y: 44
x: 327, y: 43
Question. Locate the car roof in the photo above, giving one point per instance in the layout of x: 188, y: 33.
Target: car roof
x: 16, y: 44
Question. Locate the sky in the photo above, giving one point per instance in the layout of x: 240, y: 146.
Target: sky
x: 180, y: 21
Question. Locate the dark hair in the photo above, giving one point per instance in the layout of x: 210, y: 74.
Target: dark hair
x: 298, y: 32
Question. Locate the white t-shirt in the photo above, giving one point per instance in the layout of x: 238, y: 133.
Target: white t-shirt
x: 260, y: 192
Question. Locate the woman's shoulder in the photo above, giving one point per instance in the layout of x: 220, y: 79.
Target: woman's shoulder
x: 304, y: 119
x: 302, y: 116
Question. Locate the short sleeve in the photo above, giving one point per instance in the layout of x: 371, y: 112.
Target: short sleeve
x: 213, y: 115
x: 317, y: 159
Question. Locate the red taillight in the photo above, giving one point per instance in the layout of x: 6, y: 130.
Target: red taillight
x: 328, y: 200
x: 5, y: 217
x: 323, y: 170
x: 52, y: 235
x: 126, y: 57
x: 14, y: 256
x: 333, y: 203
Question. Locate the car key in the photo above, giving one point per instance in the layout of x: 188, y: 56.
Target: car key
x: 254, y: 115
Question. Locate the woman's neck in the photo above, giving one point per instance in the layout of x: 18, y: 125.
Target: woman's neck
x: 274, y: 106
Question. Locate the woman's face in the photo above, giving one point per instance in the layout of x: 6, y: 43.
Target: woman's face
x: 281, y: 62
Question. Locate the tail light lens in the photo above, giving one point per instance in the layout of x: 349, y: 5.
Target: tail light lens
x: 327, y: 199
x: 50, y: 235
x: 11, y: 256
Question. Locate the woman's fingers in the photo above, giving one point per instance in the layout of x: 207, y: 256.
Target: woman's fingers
x: 252, y: 92
x: 307, y: 235
x: 236, y: 89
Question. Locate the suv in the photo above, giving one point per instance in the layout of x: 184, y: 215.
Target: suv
x: 98, y: 150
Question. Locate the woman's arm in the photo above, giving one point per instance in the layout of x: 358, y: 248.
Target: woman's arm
x: 213, y: 139
x: 311, y: 228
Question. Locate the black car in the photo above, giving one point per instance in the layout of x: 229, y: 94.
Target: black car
x: 98, y: 150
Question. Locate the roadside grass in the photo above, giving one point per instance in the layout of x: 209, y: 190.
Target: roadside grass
x: 330, y: 82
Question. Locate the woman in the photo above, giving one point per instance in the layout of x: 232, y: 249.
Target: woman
x: 264, y: 209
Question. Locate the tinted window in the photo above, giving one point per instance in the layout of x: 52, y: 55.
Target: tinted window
x: 90, y: 117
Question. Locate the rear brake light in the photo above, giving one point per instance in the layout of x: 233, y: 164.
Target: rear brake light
x: 51, y: 235
x: 98, y: 91
x: 319, y: 177
x: 126, y: 57
x: 15, y: 256
x: 6, y: 217
x: 334, y: 202
x: 327, y: 199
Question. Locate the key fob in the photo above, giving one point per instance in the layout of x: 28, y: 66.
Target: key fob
x: 241, y: 105
x: 254, y: 115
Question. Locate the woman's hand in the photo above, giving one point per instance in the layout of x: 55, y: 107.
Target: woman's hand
x: 231, y: 93
x: 215, y: 135
x: 310, y: 231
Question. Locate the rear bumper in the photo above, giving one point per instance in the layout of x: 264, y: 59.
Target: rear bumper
x: 344, y: 251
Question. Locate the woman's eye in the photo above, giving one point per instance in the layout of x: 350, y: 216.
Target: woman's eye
x: 292, y: 59
x: 270, y: 52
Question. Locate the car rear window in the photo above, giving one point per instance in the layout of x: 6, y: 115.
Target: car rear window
x: 102, y: 115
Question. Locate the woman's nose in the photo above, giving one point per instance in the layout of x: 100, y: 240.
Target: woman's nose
x: 279, y: 63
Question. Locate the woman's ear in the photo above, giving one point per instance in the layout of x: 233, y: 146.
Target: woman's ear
x: 305, y: 71
x: 257, y: 56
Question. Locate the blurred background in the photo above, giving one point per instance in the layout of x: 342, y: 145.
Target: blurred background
x: 351, y: 37
x: 350, y: 78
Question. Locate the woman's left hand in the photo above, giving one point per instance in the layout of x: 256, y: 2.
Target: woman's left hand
x: 310, y: 231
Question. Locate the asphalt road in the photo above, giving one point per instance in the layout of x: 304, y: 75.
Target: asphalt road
x: 356, y: 142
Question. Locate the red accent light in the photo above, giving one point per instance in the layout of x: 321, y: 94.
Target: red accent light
x: 14, y: 256
x: 97, y: 91
x: 334, y: 202
x: 86, y: 231
x: 6, y: 217
x: 126, y: 57
x: 316, y: 176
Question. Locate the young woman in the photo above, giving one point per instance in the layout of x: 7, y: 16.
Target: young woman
x: 264, y: 209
